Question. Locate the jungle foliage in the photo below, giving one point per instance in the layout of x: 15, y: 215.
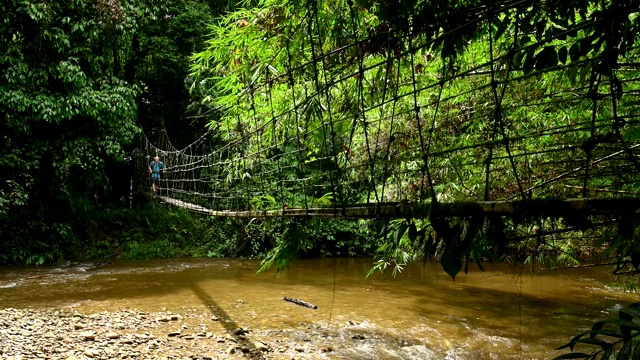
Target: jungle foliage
x: 509, y: 93
x: 77, y: 80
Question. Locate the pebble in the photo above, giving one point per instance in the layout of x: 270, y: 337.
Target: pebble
x: 67, y: 334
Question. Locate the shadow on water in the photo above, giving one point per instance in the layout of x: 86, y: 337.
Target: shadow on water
x: 226, y: 321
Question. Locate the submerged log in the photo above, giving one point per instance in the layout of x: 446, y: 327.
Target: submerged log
x: 300, y: 302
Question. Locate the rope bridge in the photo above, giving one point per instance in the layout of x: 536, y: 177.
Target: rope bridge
x: 486, y: 110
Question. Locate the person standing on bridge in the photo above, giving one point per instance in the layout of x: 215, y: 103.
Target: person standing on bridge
x: 155, y: 167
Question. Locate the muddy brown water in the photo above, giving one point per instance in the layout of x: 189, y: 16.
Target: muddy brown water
x: 499, y: 313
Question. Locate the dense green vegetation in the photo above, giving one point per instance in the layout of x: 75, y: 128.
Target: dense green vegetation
x: 78, y: 81
x: 324, y: 103
x: 506, y: 98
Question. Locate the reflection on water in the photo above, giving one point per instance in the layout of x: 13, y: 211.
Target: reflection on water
x: 497, y: 313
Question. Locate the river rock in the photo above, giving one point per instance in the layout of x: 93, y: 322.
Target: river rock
x: 91, y: 353
x: 260, y: 346
x: 87, y: 335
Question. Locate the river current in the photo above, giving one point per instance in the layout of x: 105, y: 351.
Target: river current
x: 501, y: 313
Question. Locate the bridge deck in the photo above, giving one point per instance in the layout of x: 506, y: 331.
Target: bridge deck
x: 531, y: 208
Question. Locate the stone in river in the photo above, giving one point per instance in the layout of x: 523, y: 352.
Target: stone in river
x: 87, y: 335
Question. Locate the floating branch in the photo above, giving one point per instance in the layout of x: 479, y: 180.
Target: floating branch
x: 300, y: 302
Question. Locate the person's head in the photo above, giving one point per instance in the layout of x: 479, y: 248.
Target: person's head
x: 157, y: 158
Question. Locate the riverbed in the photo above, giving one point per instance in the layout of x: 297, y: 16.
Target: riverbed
x: 220, y: 308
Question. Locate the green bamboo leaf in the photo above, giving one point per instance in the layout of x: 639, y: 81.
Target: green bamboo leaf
x: 413, y: 232
x: 572, y: 343
x: 625, y: 351
x: 399, y: 233
x: 593, y: 341
x: 636, y: 352
x: 574, y: 355
x: 503, y: 26
x: 451, y: 261
x: 586, y: 70
x: 574, y: 52
x: 573, y: 72
x: 428, y: 245
x: 606, y: 332
x: 633, y: 311
x: 562, y: 54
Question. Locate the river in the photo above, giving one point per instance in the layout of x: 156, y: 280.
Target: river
x: 501, y: 313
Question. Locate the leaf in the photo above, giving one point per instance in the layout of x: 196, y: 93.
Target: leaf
x: 428, y: 245
x: 451, y: 260
x: 572, y: 343
x: 606, y: 332
x: 622, y: 322
x: 573, y: 355
x: 573, y: 72
x: 593, y: 341
x: 607, y: 353
x: 574, y: 52
x: 562, y: 54
x: 546, y: 58
x: 586, y: 69
x: 530, y: 61
x: 633, y: 311
x: 399, y: 233
x: 625, y: 351
x: 477, y: 260
x: 636, y: 353
x: 413, y: 232
x: 503, y: 26
x: 451, y: 264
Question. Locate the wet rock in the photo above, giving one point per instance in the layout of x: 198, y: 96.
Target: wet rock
x: 87, y: 336
x: 260, y: 346
x: 91, y: 353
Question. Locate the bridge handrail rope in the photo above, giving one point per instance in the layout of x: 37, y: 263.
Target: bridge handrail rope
x: 333, y: 144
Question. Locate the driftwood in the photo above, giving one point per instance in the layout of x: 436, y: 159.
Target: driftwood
x: 300, y: 302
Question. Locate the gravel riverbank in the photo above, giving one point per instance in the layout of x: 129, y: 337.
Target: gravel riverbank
x: 68, y: 334
x: 131, y: 334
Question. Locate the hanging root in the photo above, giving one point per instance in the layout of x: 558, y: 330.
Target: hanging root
x: 300, y: 302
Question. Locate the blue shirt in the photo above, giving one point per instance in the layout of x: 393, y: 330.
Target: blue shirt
x: 155, y: 168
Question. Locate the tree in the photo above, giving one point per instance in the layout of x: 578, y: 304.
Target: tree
x: 65, y: 108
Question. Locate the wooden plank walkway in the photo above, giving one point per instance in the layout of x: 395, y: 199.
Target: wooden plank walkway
x: 528, y: 208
